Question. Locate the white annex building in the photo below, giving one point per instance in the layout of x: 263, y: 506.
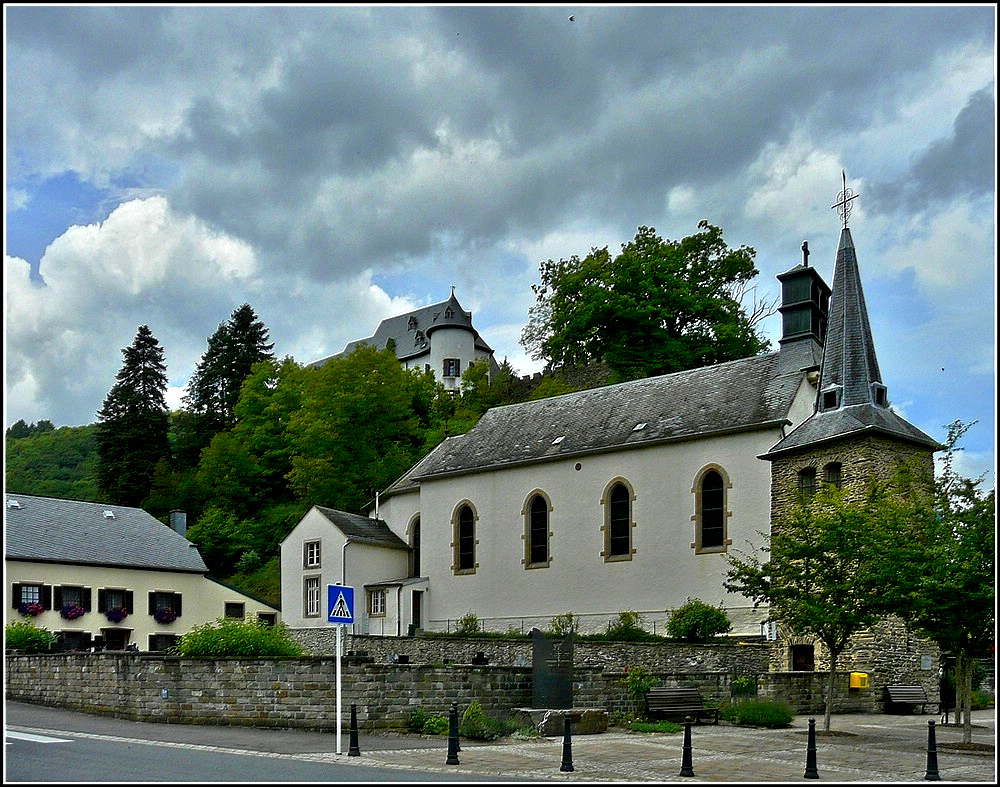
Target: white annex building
x: 438, y: 338
x: 626, y: 497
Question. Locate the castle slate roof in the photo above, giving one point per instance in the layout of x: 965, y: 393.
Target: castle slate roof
x: 362, y: 528
x: 741, y: 395
x: 45, y: 529
x: 408, y: 333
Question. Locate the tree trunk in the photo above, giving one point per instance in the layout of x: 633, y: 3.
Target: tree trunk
x: 829, y: 691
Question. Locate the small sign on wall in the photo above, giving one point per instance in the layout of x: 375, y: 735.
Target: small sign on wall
x: 925, y: 662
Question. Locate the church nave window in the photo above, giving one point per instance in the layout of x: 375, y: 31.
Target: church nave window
x: 464, y: 543
x: 618, y: 522
x: 536, y: 532
x: 711, y: 515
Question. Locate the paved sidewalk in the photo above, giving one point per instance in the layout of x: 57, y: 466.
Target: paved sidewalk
x: 869, y: 748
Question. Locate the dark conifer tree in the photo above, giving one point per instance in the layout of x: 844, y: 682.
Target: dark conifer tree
x: 214, y: 388
x: 132, y: 423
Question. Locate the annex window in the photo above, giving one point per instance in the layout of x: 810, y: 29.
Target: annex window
x: 711, y: 512
x: 311, y: 597
x: 831, y: 474
x: 537, y: 532
x: 311, y: 555
x: 268, y: 618
x: 807, y: 482
x: 376, y: 603
x: 618, y: 522
x: 464, y: 543
x: 452, y: 367
x: 235, y: 609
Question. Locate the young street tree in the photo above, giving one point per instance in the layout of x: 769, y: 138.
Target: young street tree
x: 954, y: 603
x: 214, y: 388
x: 132, y: 423
x: 658, y: 307
x: 831, y: 568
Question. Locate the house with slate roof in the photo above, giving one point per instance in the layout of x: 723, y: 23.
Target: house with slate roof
x: 438, y: 338
x: 626, y: 497
x: 110, y: 576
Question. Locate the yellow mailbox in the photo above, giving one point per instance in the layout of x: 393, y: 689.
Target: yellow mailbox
x: 859, y: 680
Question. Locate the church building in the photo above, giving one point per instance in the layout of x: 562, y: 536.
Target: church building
x: 621, y: 498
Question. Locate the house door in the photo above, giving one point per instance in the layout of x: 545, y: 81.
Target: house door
x: 803, y: 658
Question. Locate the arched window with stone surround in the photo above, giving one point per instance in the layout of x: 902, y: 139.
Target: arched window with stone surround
x: 711, y: 510
x: 536, y: 531
x: 618, y: 522
x: 464, y: 543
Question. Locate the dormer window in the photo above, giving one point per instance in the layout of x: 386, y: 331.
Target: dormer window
x: 830, y: 398
x: 411, y: 323
x: 449, y: 313
x: 418, y: 338
x: 880, y: 395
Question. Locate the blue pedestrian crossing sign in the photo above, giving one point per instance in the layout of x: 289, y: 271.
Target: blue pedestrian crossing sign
x: 340, y: 604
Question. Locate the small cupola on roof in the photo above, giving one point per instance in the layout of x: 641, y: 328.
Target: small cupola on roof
x: 850, y: 374
x: 805, y: 305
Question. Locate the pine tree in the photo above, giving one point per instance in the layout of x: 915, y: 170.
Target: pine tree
x: 214, y: 388
x: 132, y: 423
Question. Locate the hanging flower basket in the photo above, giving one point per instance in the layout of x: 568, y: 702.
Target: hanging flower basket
x: 30, y: 609
x: 165, y: 615
x: 116, y: 614
x: 72, y: 611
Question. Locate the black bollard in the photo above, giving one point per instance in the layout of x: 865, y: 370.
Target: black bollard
x: 686, y: 768
x: 932, y: 774
x: 453, y: 736
x: 811, y: 772
x: 354, y: 751
x: 567, y: 760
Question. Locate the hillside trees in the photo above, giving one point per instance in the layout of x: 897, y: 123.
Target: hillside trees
x: 214, y: 388
x: 132, y: 423
x: 659, y: 306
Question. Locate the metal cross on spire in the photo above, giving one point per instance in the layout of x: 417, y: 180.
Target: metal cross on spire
x: 843, y: 203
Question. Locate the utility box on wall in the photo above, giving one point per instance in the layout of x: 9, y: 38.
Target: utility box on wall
x: 859, y: 680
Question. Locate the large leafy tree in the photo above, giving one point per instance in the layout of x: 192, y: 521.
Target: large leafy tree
x: 659, y: 306
x: 133, y: 423
x: 214, y: 388
x: 830, y: 567
x: 954, y: 601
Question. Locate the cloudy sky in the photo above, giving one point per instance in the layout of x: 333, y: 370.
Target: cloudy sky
x: 333, y: 166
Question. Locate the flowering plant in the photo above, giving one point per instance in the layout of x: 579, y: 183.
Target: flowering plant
x: 638, y: 681
x: 165, y: 615
x: 72, y: 611
x: 116, y: 614
x: 30, y: 608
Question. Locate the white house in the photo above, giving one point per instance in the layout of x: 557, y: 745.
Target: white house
x: 111, y: 576
x: 625, y: 497
x: 438, y: 338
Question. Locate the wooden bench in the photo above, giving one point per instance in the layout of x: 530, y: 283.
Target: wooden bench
x: 666, y: 702
x: 896, y: 695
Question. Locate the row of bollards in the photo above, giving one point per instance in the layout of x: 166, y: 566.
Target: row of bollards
x: 687, y: 765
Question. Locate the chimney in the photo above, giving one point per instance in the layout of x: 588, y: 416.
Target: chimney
x: 178, y: 522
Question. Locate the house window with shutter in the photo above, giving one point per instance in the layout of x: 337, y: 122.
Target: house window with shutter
x: 452, y: 367
x: 38, y: 595
x: 164, y: 606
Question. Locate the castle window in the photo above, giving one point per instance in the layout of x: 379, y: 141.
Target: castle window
x: 452, y: 367
x: 711, y: 517
x: 807, y: 482
x: 537, y: 532
x: 831, y: 474
x: 618, y: 523
x: 464, y: 544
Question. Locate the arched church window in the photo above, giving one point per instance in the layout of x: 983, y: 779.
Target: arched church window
x: 711, y: 517
x: 618, y: 522
x: 464, y: 543
x: 537, y: 532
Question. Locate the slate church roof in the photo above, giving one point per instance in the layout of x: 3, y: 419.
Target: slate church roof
x: 45, y: 529
x: 736, y: 396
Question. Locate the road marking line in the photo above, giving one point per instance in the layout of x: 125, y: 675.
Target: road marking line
x: 27, y: 736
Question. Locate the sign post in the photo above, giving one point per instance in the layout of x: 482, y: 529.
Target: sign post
x: 340, y: 611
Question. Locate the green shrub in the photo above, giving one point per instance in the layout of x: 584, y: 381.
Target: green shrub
x: 27, y: 637
x: 436, y: 725
x: 476, y: 725
x: 469, y: 623
x: 981, y: 700
x: 697, y: 621
x: 232, y: 637
x: 757, y: 713
x: 638, y: 681
x: 416, y: 721
x: 627, y: 627
x: 743, y: 686
x: 563, y: 625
